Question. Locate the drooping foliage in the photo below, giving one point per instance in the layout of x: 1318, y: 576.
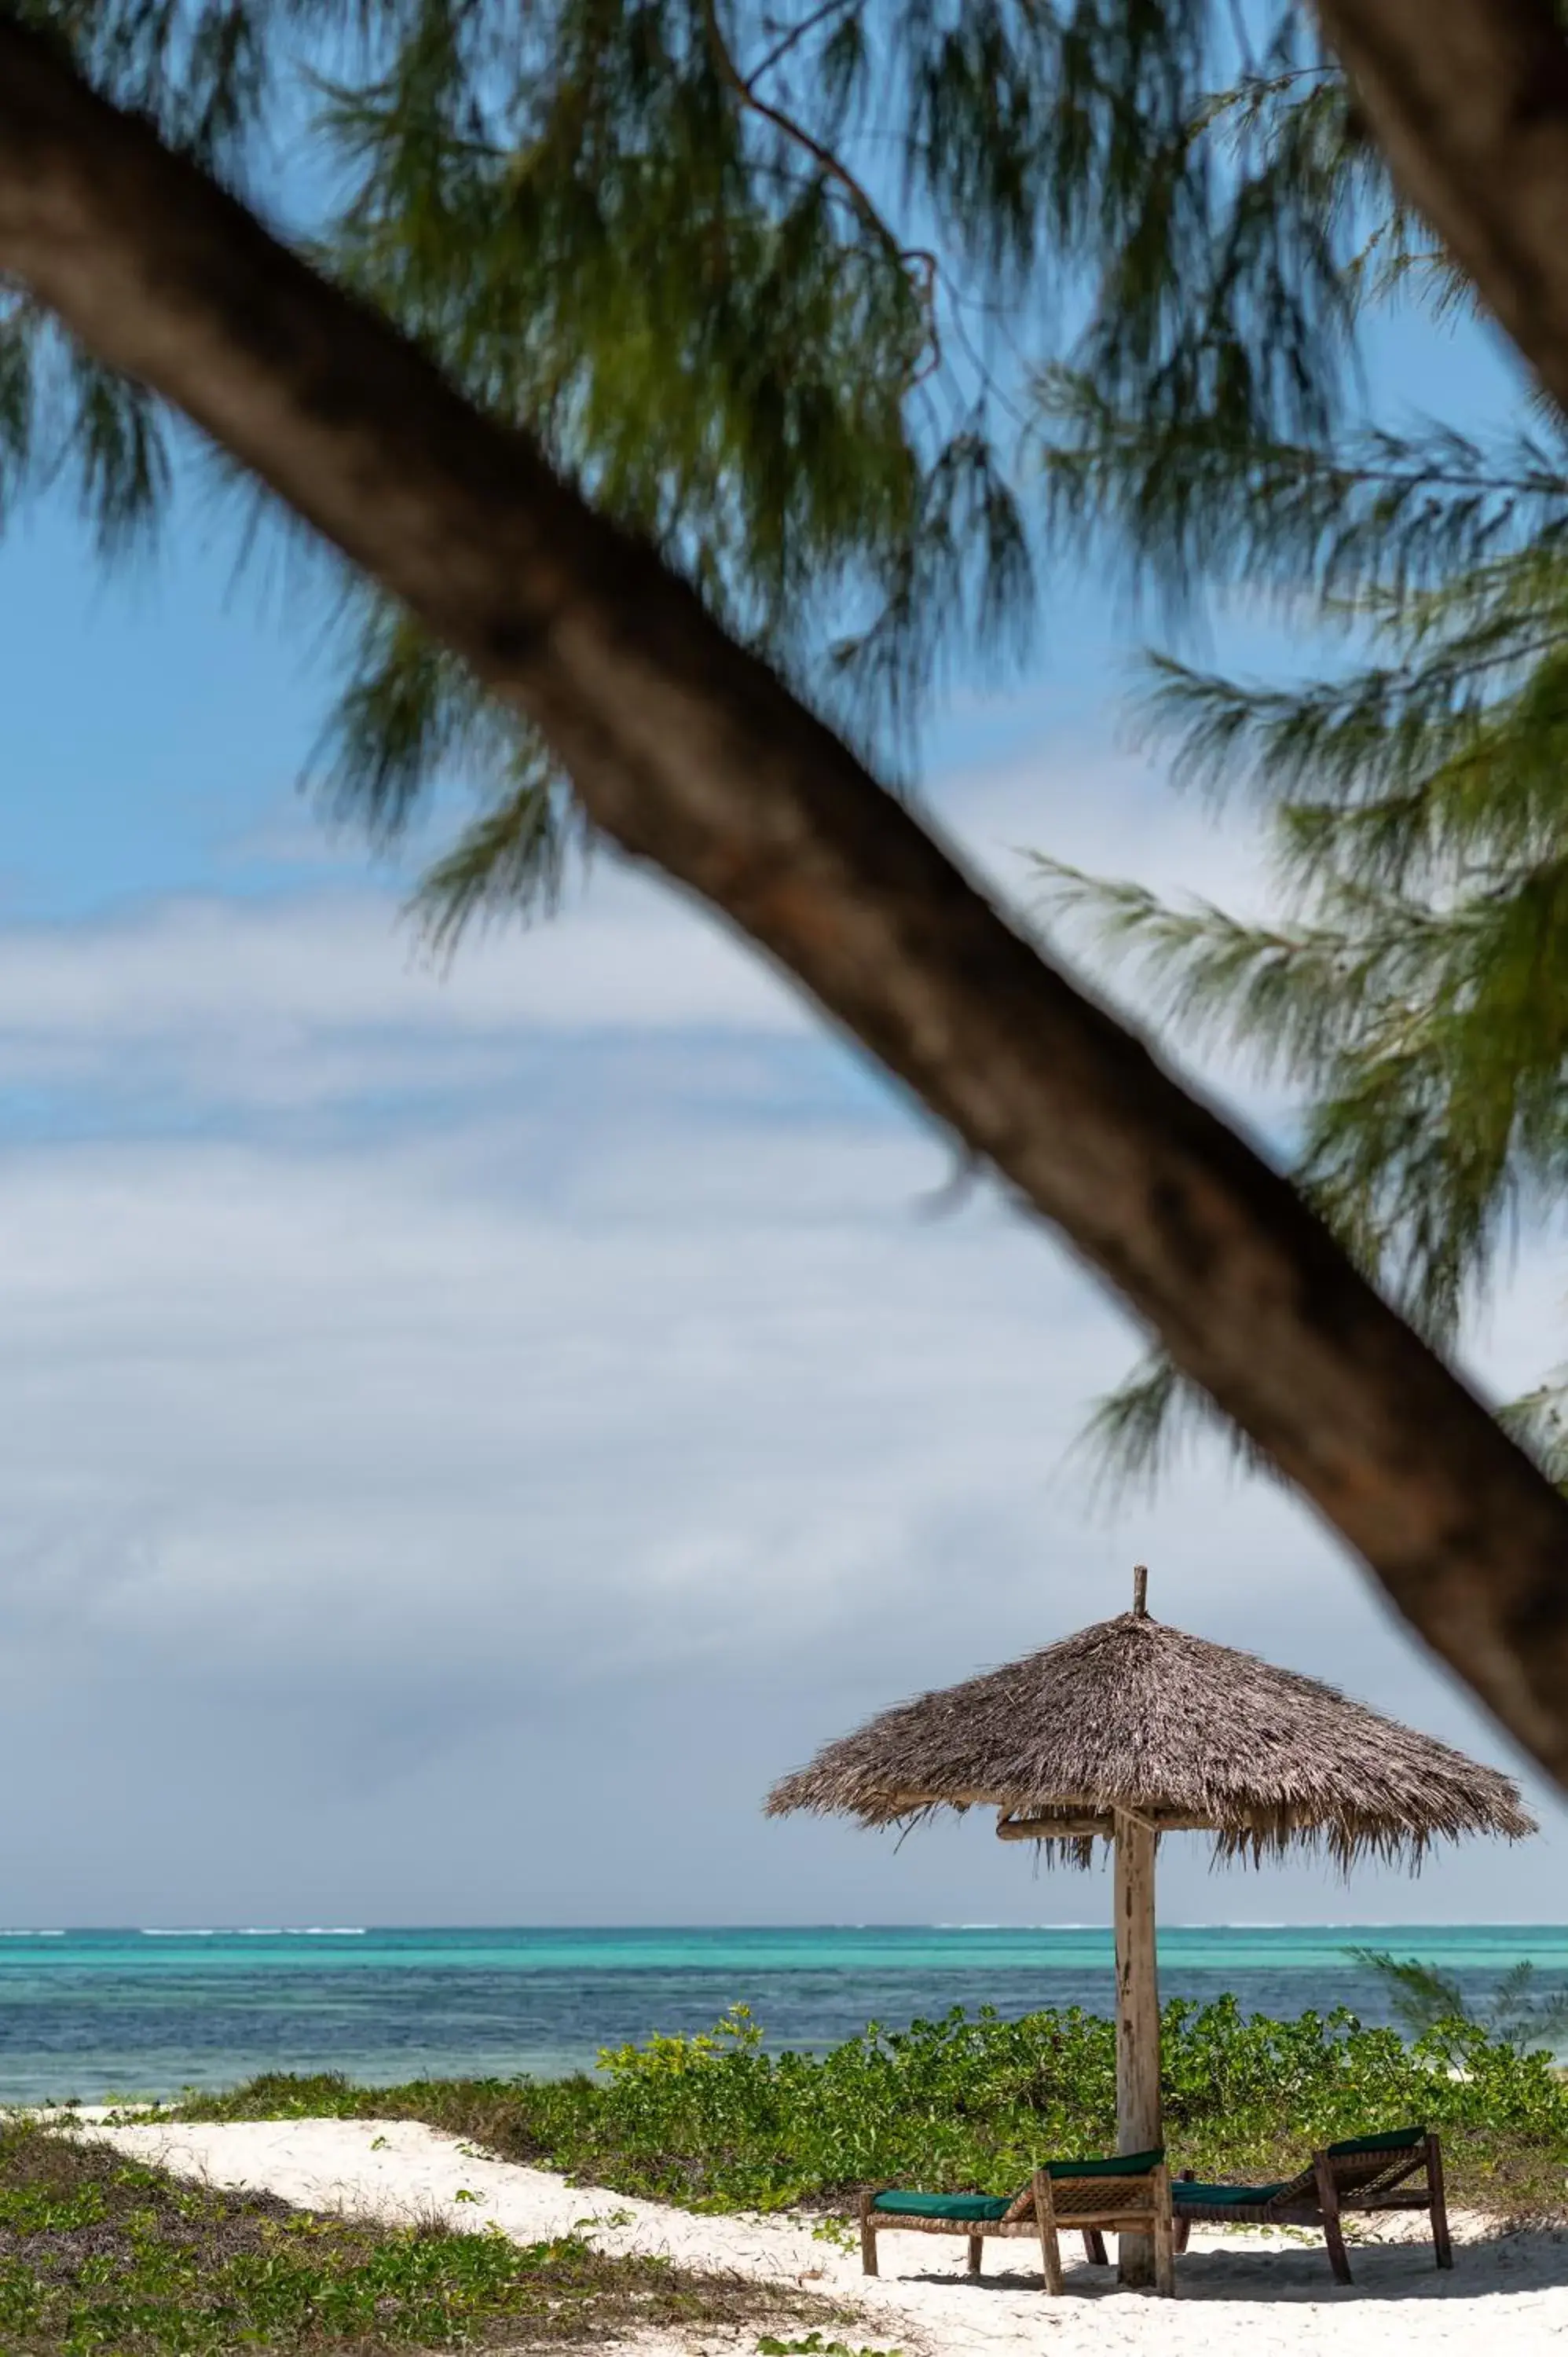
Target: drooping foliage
x: 854, y: 310
x: 1413, y: 990
x: 1410, y: 990
x: 771, y: 282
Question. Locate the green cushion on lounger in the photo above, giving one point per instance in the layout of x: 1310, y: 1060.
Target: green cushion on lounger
x: 1397, y: 2140
x: 976, y: 2206
x: 1125, y: 2164
x: 981, y: 2209
x: 1226, y: 2197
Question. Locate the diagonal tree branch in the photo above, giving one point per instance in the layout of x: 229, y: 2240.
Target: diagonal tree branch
x: 1468, y: 100
x: 694, y: 757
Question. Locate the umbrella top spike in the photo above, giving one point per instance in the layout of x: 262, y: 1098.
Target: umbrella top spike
x: 1140, y: 1591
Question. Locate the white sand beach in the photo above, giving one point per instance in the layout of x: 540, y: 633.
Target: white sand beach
x: 1245, y: 2291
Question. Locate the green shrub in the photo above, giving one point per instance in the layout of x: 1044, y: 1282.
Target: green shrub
x: 972, y: 2102
x: 101, y: 2257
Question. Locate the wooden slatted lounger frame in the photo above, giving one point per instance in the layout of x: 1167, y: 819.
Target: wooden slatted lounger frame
x: 1363, y: 2178
x: 1055, y: 2202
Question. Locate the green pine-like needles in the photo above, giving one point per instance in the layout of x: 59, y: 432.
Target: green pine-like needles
x: 1412, y: 990
x: 772, y: 283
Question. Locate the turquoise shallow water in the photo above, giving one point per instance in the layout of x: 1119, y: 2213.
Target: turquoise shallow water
x: 89, y: 2013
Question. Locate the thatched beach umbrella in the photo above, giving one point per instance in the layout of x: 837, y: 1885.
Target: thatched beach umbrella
x: 1130, y: 1729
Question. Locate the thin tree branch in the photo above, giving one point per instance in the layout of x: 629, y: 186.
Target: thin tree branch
x: 796, y: 33
x: 917, y: 262
x: 694, y: 757
x: 832, y: 166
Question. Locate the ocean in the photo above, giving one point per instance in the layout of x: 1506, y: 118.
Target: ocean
x: 149, y: 2012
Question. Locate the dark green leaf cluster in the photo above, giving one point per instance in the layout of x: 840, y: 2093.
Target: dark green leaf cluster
x: 1411, y: 992
x: 98, y: 2253
x: 1414, y: 993
x: 769, y: 282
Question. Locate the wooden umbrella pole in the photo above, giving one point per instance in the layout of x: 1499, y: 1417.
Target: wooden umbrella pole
x: 1138, y: 2123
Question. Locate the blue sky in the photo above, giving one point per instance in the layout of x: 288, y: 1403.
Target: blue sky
x: 464, y: 1437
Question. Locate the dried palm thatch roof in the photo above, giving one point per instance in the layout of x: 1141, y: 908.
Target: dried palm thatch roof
x: 1134, y: 1715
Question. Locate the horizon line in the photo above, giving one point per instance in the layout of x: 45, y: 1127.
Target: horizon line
x: 652, y: 1929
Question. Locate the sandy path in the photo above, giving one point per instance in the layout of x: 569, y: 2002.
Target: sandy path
x: 1250, y: 2294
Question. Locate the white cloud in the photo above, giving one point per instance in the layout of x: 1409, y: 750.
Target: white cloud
x: 319, y: 996
x: 291, y: 999
x: 552, y: 1463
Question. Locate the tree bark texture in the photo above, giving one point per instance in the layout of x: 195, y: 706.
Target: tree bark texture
x: 1468, y: 100
x: 1139, y: 2125
x: 692, y: 756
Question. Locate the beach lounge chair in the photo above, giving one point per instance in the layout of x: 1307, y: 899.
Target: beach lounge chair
x: 1131, y: 2194
x: 1364, y: 2175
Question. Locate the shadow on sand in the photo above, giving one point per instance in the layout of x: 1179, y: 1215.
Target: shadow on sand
x: 1529, y: 2261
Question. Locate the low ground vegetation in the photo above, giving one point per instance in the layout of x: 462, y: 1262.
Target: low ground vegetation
x: 972, y: 2102
x: 104, y: 2255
